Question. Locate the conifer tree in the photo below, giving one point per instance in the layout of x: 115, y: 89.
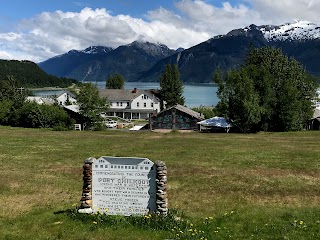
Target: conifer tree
x: 171, y: 88
x: 115, y: 81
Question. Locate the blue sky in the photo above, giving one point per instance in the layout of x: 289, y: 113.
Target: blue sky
x: 17, y: 9
x: 39, y: 29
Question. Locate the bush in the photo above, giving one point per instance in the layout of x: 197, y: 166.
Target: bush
x: 32, y: 115
x: 208, y: 112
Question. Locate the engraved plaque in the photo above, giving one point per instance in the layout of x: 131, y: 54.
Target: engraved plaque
x: 123, y: 186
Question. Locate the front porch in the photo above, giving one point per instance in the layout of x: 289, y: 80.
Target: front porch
x: 131, y: 114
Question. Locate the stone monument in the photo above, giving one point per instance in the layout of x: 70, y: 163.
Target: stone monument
x: 124, y: 186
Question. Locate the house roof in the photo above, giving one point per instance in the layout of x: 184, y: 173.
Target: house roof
x: 68, y: 92
x: 73, y: 108
x: 122, y: 94
x: 185, y: 110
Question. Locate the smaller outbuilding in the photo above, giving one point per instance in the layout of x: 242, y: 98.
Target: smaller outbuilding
x: 314, y: 123
x: 215, y: 124
x: 176, y: 117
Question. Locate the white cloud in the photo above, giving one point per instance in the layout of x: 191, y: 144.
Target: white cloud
x: 194, y: 21
x: 281, y: 11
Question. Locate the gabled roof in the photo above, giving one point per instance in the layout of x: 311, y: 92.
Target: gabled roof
x: 122, y: 94
x: 73, y: 108
x: 185, y: 110
x: 68, y: 92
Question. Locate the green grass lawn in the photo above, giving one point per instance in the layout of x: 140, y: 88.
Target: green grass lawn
x: 230, y: 186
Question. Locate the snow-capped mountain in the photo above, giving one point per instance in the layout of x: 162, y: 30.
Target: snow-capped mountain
x: 97, y: 50
x: 300, y: 40
x: 299, y: 30
x: 95, y: 63
x: 144, y: 61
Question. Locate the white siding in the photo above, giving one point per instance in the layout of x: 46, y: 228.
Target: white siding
x: 147, y: 102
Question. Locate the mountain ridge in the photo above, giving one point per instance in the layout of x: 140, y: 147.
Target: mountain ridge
x: 145, y: 61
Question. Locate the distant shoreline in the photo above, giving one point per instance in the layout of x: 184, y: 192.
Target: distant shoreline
x: 47, y: 89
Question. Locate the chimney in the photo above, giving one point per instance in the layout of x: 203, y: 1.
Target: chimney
x: 134, y: 90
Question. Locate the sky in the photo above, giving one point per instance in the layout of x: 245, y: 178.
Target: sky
x: 36, y: 30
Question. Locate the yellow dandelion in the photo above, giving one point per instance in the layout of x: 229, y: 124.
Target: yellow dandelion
x: 94, y: 222
x: 301, y: 222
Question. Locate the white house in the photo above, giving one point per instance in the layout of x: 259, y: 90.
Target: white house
x: 131, y: 104
x: 64, y: 97
x: 61, y: 97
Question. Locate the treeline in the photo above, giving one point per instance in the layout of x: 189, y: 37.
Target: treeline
x: 15, y: 111
x: 29, y: 74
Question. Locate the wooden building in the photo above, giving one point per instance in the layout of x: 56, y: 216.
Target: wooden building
x: 176, y: 117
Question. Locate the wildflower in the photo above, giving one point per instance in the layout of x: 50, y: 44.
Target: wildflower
x: 190, y: 230
x: 301, y: 222
x: 94, y: 222
x: 210, y: 218
x: 191, y: 225
x: 181, y: 232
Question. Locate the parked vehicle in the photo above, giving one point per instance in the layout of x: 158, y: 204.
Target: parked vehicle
x: 111, y: 124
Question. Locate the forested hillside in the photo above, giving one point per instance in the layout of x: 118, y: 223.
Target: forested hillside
x: 29, y: 74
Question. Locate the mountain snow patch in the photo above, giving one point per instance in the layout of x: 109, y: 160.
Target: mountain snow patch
x: 299, y: 30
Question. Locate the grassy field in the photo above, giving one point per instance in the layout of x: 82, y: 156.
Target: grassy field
x: 230, y: 186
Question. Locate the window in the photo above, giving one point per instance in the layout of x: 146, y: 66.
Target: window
x: 145, y: 104
x: 117, y: 104
x: 137, y: 104
x: 128, y: 104
x: 152, y: 104
x: 121, y: 104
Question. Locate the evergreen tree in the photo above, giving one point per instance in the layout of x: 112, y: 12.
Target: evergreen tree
x: 115, y: 81
x: 171, y: 87
x: 269, y: 93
